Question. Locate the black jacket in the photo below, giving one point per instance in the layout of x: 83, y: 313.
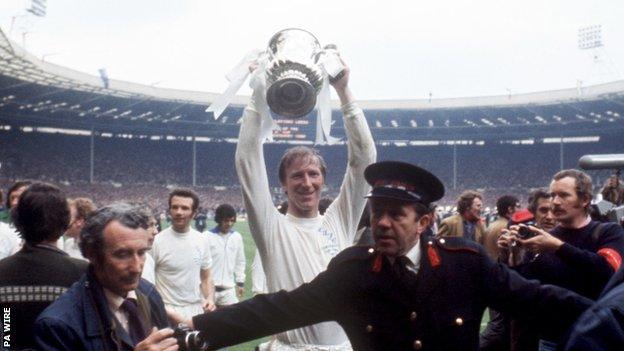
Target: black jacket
x: 380, y: 309
x: 30, y: 280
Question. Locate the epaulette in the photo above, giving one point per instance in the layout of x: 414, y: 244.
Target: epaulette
x: 354, y: 253
x: 452, y: 243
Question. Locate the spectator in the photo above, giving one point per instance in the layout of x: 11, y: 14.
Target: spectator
x: 496, y: 334
x: 40, y: 272
x: 228, y: 257
x: 505, y: 206
x: 149, y: 268
x: 613, y: 190
x: 80, y: 209
x: 182, y: 259
x: 10, y: 241
x: 200, y: 220
x: 467, y: 223
x: 578, y: 254
x: 523, y: 337
x: 540, y: 205
x: 111, y: 307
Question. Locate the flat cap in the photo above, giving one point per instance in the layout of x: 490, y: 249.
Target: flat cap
x: 403, y: 181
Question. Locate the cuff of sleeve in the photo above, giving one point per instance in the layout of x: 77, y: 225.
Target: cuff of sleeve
x: 240, y: 285
x: 351, y: 109
x: 198, y: 322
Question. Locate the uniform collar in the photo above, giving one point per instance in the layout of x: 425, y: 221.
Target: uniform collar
x: 413, y: 255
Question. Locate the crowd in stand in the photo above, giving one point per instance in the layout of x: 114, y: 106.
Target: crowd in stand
x: 423, y: 279
x: 143, y: 170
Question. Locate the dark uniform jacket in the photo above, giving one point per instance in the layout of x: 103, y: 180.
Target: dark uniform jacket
x: 383, y: 308
x: 30, y: 280
x: 601, y: 327
x: 81, y: 319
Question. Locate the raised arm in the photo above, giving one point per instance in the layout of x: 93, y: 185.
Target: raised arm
x: 252, y: 174
x: 361, y: 153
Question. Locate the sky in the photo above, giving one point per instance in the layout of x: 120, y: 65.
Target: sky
x: 395, y: 49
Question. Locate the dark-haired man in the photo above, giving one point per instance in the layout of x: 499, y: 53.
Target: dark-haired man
x: 40, y: 272
x: 182, y: 259
x: 228, y: 257
x: 541, y: 207
x: 496, y: 334
x: 506, y: 205
x: 467, y: 222
x: 522, y: 336
x: 111, y: 307
x: 296, y: 247
x: 408, y: 292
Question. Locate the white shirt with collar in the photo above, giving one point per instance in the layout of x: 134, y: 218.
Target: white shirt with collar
x: 413, y: 255
x: 114, y: 305
x: 228, y: 258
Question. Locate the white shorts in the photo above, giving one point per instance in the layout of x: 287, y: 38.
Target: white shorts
x: 276, y: 345
x: 226, y: 297
x: 187, y: 311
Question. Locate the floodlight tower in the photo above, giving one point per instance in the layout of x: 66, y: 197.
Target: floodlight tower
x: 590, y: 40
x: 590, y: 37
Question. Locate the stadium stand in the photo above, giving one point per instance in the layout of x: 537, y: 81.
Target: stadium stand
x: 129, y: 141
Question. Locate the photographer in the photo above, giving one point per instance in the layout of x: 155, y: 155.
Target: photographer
x: 578, y: 254
x: 613, y: 191
x: 110, y: 307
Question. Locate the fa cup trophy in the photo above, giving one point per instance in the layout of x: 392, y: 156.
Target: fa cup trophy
x: 295, y: 71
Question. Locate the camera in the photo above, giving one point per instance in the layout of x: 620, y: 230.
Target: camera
x: 524, y: 232
x: 188, y: 339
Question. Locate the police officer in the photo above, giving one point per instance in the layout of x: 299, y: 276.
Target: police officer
x: 406, y: 292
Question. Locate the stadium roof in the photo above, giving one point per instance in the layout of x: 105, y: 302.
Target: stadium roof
x: 37, y: 93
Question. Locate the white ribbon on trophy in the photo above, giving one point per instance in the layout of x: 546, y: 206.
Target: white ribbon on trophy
x: 237, y: 77
x: 324, y: 115
x: 258, y: 82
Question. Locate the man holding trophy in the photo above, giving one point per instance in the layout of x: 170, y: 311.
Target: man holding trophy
x: 296, y: 247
